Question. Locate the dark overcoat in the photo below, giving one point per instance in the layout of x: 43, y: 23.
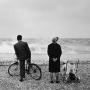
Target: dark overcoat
x: 54, y: 51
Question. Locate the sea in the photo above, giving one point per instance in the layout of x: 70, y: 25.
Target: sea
x: 38, y: 46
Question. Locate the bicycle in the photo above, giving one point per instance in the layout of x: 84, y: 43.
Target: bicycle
x: 34, y: 69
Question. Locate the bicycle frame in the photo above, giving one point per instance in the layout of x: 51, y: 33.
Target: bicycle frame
x: 30, y: 68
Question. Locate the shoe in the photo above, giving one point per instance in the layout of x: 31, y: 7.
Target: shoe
x: 21, y: 80
x: 51, y: 82
x: 57, y: 81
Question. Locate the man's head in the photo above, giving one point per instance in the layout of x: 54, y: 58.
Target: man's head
x: 19, y: 37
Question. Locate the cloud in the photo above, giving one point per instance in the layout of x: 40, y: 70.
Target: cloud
x: 44, y: 18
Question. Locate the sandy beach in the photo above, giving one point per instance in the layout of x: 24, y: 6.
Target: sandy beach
x: 8, y: 82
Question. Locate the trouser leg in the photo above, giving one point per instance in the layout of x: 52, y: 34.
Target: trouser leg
x: 22, y: 69
x: 51, y: 76
x: 57, y: 76
x: 29, y: 62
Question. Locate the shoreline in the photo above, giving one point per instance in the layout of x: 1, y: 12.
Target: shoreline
x: 44, y: 57
x: 7, y: 59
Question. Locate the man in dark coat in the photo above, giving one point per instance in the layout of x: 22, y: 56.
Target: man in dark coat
x: 54, y: 53
x: 23, y: 52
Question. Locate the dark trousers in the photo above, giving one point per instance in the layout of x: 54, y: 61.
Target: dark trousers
x: 22, y: 68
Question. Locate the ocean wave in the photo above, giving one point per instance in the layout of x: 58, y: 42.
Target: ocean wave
x: 6, y: 48
x: 67, y: 46
x: 38, y: 48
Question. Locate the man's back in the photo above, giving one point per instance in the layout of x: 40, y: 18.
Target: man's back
x: 22, y: 50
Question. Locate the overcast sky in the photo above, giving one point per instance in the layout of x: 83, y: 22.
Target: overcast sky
x: 45, y: 18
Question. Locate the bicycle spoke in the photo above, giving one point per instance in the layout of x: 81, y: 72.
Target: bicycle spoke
x: 14, y: 70
x: 35, y: 72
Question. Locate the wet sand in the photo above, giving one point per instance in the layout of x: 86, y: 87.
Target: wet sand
x: 44, y: 57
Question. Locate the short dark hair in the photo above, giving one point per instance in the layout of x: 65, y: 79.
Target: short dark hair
x: 19, y: 37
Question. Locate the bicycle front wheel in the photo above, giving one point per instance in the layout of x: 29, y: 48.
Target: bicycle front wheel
x: 14, y: 69
x: 35, y: 71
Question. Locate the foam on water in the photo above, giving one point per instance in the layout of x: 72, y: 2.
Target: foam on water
x: 39, y: 46
x: 6, y: 48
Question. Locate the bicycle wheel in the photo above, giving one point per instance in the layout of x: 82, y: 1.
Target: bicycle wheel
x: 35, y: 71
x: 14, y: 69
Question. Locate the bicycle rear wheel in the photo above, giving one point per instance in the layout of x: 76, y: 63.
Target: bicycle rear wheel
x: 14, y: 69
x: 35, y: 71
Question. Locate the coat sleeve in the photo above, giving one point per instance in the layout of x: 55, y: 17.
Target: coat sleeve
x: 28, y: 51
x: 49, y: 51
x: 16, y: 51
x: 59, y: 51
